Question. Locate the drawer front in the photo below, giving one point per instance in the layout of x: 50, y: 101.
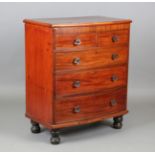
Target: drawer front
x: 112, y: 27
x: 87, y: 107
x: 75, y: 38
x: 90, y: 80
x: 113, y: 38
x: 91, y: 58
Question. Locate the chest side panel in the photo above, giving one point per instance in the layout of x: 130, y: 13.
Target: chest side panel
x: 39, y: 71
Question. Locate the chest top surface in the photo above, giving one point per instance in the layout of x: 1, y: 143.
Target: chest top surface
x: 76, y: 21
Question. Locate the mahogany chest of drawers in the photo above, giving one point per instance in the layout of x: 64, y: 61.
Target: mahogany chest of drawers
x: 76, y: 71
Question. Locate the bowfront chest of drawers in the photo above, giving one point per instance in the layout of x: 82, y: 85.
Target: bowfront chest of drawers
x: 76, y: 71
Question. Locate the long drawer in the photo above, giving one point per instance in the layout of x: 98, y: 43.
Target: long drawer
x: 90, y: 106
x: 91, y: 58
x: 90, y: 80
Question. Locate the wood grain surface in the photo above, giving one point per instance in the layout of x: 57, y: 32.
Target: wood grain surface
x: 90, y: 106
x: 39, y: 69
x: 90, y: 80
x: 92, y: 58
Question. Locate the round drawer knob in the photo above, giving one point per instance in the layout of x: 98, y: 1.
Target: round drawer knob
x: 77, y: 42
x: 76, y: 61
x: 114, y: 56
x: 114, y: 38
x: 76, y: 109
x: 114, y: 78
x: 113, y: 102
x: 76, y: 84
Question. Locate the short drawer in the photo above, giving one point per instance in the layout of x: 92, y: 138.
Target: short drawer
x: 91, y: 58
x: 90, y: 80
x: 75, y: 41
x: 75, y: 38
x: 113, y: 38
x: 90, y: 106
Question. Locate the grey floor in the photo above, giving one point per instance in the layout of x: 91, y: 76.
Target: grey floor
x: 137, y: 134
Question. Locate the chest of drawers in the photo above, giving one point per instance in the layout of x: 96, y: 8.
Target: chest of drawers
x: 76, y: 71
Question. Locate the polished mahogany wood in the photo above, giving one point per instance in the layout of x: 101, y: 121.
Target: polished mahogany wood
x: 76, y: 71
x: 77, y: 21
x: 112, y: 27
x: 113, y: 38
x: 90, y: 37
x: 90, y: 106
x: 88, y: 121
x: 91, y: 58
x: 69, y: 40
x: 74, y: 30
x: 39, y: 69
x: 90, y: 80
x: 90, y: 29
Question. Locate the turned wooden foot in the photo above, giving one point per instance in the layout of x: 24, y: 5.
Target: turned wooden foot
x: 35, y: 127
x: 117, y: 122
x: 55, y: 139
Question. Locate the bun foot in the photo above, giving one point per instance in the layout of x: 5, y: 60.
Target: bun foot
x: 35, y: 127
x: 117, y: 122
x: 55, y: 139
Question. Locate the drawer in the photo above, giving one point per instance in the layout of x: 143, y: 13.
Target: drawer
x: 90, y: 106
x: 91, y: 58
x: 113, y: 38
x: 90, y: 80
x: 75, y: 38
